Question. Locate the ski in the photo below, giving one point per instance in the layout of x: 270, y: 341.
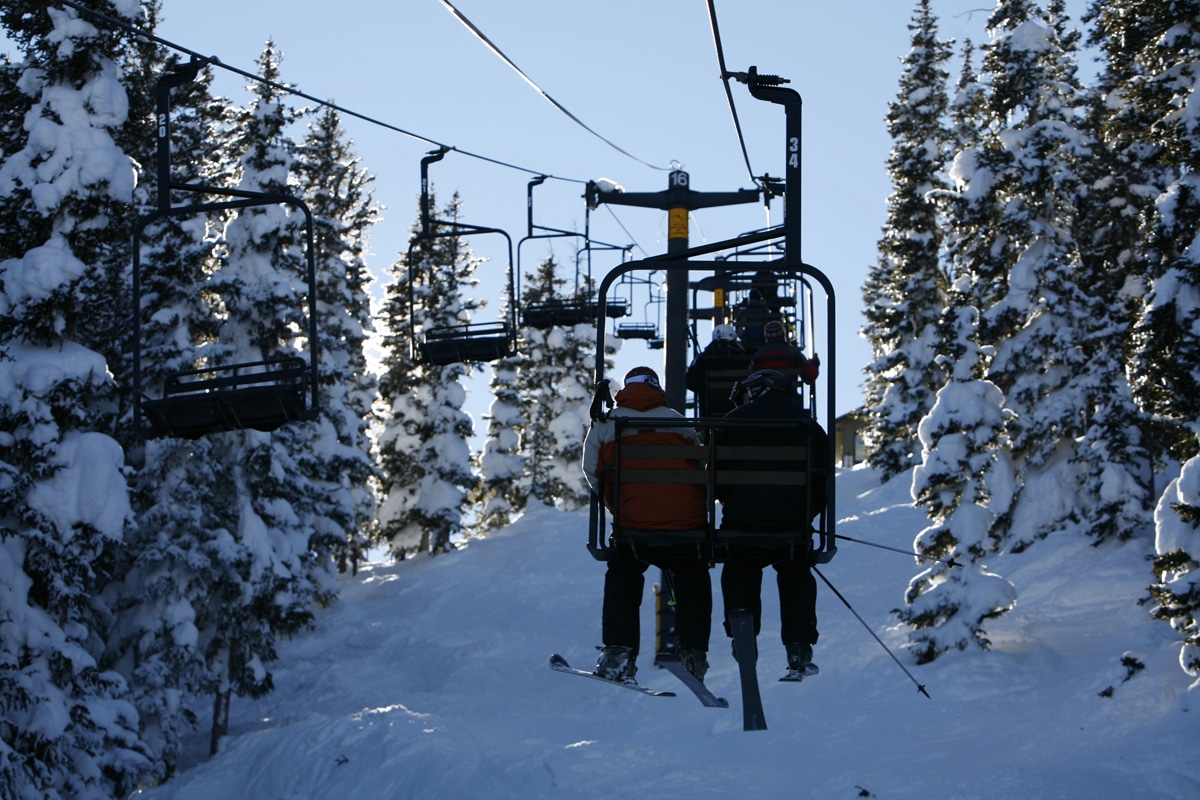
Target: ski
x: 742, y: 623
x: 559, y: 664
x: 671, y: 662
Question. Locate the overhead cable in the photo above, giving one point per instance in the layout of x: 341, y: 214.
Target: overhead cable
x: 216, y: 62
x: 488, y: 42
x: 725, y: 76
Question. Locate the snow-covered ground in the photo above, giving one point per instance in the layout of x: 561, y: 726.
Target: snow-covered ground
x: 429, y: 679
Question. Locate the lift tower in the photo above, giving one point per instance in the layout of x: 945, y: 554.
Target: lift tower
x: 678, y: 200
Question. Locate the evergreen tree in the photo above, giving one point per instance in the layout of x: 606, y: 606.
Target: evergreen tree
x: 972, y: 210
x: 1050, y: 329
x: 279, y: 568
x: 503, y: 488
x: 66, y: 726
x: 1115, y: 212
x: 905, y: 292
x: 1176, y: 590
x: 168, y: 592
x: 396, y: 414
x: 965, y: 482
x: 15, y: 103
x: 555, y: 382
x: 337, y: 191
x: 424, y: 455
x: 1151, y: 45
x: 1151, y: 48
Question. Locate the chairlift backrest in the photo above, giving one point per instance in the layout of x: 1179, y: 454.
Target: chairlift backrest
x: 640, y: 463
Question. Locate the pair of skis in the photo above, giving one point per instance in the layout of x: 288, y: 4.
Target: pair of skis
x: 667, y: 660
x: 741, y: 622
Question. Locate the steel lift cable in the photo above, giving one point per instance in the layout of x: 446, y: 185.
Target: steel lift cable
x: 725, y: 76
x: 216, y: 62
x: 491, y: 46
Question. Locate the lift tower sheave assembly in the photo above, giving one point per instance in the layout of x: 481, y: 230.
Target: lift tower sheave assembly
x: 678, y: 200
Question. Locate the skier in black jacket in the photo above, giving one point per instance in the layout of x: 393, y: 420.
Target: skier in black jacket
x: 725, y: 353
x: 769, y: 395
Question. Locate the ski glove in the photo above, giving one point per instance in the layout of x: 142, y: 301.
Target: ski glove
x: 601, y: 397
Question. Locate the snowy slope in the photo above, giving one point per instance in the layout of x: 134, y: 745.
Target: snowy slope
x: 429, y: 679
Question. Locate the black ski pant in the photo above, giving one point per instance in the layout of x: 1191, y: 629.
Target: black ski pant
x: 741, y: 587
x: 624, y: 583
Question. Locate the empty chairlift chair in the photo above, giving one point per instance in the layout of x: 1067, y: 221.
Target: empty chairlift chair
x: 454, y: 343
x: 259, y: 394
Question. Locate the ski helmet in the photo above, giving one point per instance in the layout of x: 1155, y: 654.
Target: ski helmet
x: 724, y: 333
x: 643, y: 375
x: 756, y: 384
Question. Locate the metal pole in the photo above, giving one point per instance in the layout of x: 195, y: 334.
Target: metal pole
x: 920, y: 686
x: 677, y: 295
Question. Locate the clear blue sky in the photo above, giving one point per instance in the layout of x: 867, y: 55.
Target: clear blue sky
x: 641, y: 74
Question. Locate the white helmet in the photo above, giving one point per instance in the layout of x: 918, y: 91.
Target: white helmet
x: 725, y: 332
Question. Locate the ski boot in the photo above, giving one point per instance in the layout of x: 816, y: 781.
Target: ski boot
x: 800, y: 664
x: 616, y: 663
x: 694, y: 661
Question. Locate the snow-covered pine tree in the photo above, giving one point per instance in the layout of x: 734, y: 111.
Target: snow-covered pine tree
x: 397, y: 445
x: 972, y: 211
x: 556, y: 390
x: 1057, y: 338
x: 906, y: 290
x: 503, y: 488
x: 1162, y: 44
x: 66, y: 725
x: 1177, y: 572
x: 970, y: 208
x: 176, y: 550
x: 1116, y: 485
x: 12, y: 131
x: 424, y: 454
x: 273, y: 573
x: 1151, y: 47
x: 338, y: 191
x: 965, y: 481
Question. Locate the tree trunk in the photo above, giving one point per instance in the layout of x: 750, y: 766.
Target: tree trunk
x: 220, y: 727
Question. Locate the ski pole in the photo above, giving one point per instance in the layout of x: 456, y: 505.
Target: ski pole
x: 920, y: 687
x: 950, y: 562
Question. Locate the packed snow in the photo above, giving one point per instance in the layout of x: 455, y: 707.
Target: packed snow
x: 429, y: 678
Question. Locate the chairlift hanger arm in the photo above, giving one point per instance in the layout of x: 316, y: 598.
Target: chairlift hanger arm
x: 530, y: 226
x: 679, y: 198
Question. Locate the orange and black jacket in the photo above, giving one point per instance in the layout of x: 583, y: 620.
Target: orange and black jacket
x: 649, y: 506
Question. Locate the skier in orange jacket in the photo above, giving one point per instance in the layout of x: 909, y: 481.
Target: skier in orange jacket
x: 649, y: 507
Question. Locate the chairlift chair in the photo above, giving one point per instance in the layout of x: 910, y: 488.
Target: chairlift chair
x: 459, y: 342
x: 559, y: 311
x: 581, y: 306
x: 713, y: 543
x: 637, y: 330
x: 261, y: 394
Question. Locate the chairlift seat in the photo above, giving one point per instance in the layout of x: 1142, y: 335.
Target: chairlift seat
x: 547, y: 315
x: 267, y: 396
x: 719, y: 383
x: 614, y: 309
x: 716, y: 544
x: 467, y: 344
x: 637, y: 330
